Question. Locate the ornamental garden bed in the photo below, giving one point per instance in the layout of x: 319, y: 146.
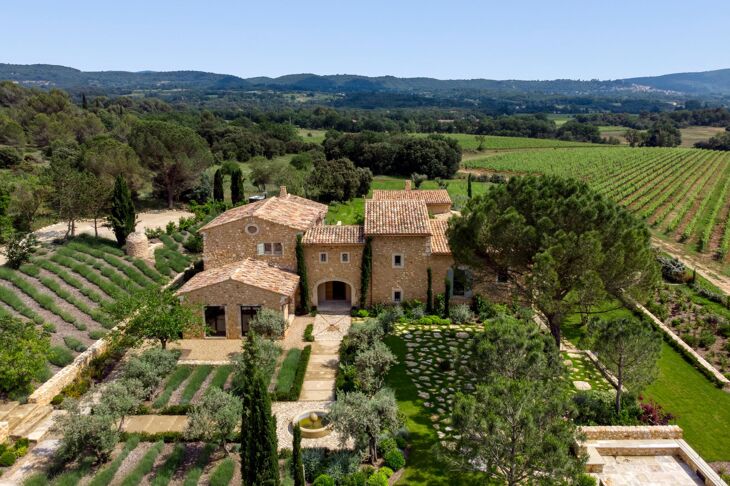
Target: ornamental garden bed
x: 699, y: 318
x: 186, y: 385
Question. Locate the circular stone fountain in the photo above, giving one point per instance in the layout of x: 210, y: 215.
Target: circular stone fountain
x: 313, y: 424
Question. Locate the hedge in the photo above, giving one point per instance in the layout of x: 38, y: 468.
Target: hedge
x: 59, y: 356
x: 296, y: 387
x: 287, y: 372
x: 309, y: 333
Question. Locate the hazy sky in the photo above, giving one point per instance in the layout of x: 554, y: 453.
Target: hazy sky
x: 528, y: 39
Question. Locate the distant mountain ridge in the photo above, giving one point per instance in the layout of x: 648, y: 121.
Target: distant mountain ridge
x: 700, y: 84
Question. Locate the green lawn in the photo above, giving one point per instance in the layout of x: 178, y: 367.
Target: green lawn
x: 423, y: 466
x: 702, y: 409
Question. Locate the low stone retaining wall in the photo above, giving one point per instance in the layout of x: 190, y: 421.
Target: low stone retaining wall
x: 685, y: 348
x: 624, y: 432
x: 53, y: 386
x: 4, y: 432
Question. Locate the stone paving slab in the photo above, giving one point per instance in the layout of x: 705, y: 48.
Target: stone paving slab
x: 207, y: 350
x: 153, y: 424
x: 310, y: 395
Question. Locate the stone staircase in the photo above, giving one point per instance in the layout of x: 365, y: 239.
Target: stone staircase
x: 319, y: 380
x: 28, y: 420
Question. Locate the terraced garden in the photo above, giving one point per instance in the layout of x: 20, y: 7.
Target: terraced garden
x: 157, y: 464
x: 683, y: 194
x: 64, y: 289
x: 187, y: 384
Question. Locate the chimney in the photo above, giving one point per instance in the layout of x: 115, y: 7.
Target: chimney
x: 282, y: 191
x: 408, y: 184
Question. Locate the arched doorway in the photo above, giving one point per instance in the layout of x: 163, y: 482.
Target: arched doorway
x: 334, y: 294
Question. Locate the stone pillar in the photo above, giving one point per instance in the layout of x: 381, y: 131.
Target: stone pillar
x: 138, y: 245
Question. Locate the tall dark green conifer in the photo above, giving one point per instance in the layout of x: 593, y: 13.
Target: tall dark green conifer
x: 447, y: 297
x: 297, y: 468
x: 218, y: 185
x: 122, y: 215
x: 259, y: 458
x: 366, y: 269
x: 429, y: 291
x: 303, y: 281
x: 236, y: 186
x: 468, y: 185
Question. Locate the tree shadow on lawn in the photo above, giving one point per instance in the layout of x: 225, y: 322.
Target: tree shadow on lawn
x: 423, y: 465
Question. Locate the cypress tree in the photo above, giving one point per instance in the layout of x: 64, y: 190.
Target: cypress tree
x: 122, y: 215
x: 365, y: 271
x: 303, y: 282
x: 84, y: 103
x: 236, y: 186
x: 468, y: 185
x: 218, y: 185
x: 259, y: 458
x: 447, y: 297
x: 297, y: 468
x: 429, y: 292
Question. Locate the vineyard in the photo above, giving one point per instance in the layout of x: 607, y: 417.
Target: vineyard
x: 681, y: 193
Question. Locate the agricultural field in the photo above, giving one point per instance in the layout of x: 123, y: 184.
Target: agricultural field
x: 469, y: 142
x: 683, y: 194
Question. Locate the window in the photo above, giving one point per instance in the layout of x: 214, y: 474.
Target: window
x: 461, y: 283
x: 397, y: 296
x: 323, y: 257
x: 345, y: 257
x: 252, y: 229
x: 269, y: 249
x: 397, y: 260
x: 502, y: 276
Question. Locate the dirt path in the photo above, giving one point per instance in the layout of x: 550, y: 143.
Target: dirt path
x: 151, y: 219
x: 712, y: 275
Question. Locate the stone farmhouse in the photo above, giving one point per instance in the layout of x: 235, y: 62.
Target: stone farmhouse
x: 249, y: 256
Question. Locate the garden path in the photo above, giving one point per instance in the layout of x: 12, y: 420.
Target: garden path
x: 319, y: 381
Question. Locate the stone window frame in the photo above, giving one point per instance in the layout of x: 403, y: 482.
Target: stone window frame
x: 261, y: 249
x: 345, y: 257
x: 393, y: 291
x: 325, y: 255
x: 254, y: 226
x: 402, y: 260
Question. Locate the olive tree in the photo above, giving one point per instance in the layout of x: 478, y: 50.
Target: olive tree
x: 215, y: 418
x: 364, y: 418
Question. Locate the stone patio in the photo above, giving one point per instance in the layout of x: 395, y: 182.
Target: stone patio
x: 285, y: 412
x: 206, y: 351
x: 647, y: 470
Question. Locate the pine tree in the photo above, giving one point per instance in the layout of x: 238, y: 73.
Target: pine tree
x: 303, y: 282
x: 447, y: 297
x: 236, y: 186
x: 259, y: 459
x: 429, y: 291
x: 468, y: 185
x: 122, y: 216
x: 218, y: 186
x: 297, y: 468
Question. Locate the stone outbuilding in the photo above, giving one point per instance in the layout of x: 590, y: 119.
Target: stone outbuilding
x: 138, y: 245
x: 231, y: 296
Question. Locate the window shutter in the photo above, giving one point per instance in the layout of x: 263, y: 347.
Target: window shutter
x: 260, y: 248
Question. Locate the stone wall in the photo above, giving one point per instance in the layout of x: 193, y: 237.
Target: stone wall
x: 232, y: 294
x: 230, y: 243
x: 699, y: 360
x: 625, y: 432
x: 411, y: 279
x: 4, y: 432
x: 66, y: 375
x: 333, y: 269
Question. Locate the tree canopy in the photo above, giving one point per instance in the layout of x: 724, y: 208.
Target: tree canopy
x: 560, y: 243
x: 175, y: 154
x: 22, y: 354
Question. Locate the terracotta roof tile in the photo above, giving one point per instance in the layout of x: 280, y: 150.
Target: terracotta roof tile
x: 293, y: 211
x: 334, y: 235
x: 429, y: 196
x: 255, y: 273
x: 439, y: 242
x: 396, y: 218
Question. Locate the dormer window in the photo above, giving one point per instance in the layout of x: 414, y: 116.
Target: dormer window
x: 397, y: 260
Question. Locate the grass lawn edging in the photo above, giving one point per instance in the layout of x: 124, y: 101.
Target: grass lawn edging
x: 712, y: 374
